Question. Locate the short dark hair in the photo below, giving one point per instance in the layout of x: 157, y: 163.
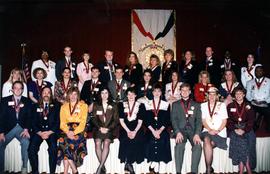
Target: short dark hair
x: 238, y: 88
x: 131, y: 89
x: 119, y: 67
x: 95, y: 67
x: 17, y: 82
x: 169, y: 51
x: 185, y: 85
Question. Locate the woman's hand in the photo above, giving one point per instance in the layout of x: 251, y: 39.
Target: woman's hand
x: 70, y: 135
x: 104, y: 130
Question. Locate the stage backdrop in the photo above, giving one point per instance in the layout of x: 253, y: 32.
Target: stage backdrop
x: 152, y: 31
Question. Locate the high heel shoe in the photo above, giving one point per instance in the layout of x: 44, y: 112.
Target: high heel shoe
x: 211, y: 170
x: 152, y: 170
x: 130, y: 169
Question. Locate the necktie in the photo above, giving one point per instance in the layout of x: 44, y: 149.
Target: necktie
x: 46, y: 108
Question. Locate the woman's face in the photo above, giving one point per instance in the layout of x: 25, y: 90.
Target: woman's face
x: 188, y: 55
x: 250, y: 59
x: 147, y: 77
x: 153, y: 62
x: 73, y: 97
x: 104, y: 95
x: 174, y: 76
x: 16, y: 75
x: 132, y: 59
x: 212, y: 96
x: 228, y: 76
x: 168, y: 57
x: 86, y: 57
x: 131, y: 96
x: 39, y: 75
x: 204, y: 78
x: 157, y: 92
x: 66, y: 74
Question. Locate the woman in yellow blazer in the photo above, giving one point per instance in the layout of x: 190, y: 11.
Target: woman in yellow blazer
x: 105, y: 121
x: 72, y: 141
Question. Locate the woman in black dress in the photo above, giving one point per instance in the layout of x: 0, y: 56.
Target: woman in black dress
x: 131, y: 133
x: 168, y: 67
x: 157, y: 120
x: 105, y: 120
x: 187, y: 69
x: 133, y: 70
x: 144, y: 89
x: 242, y: 149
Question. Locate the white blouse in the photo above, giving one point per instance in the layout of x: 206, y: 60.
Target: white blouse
x: 220, y: 113
x: 246, y: 76
x: 169, y: 91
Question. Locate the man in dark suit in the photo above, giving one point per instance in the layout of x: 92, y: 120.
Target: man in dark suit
x: 118, y: 86
x: 91, y: 88
x: 45, y: 126
x: 15, y: 113
x: 66, y: 62
x: 230, y: 64
x: 187, y: 124
x: 212, y: 66
x: 107, y: 67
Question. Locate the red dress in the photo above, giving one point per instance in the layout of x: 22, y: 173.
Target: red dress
x: 200, y: 91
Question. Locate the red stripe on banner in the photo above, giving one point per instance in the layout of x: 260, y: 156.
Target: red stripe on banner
x: 138, y: 23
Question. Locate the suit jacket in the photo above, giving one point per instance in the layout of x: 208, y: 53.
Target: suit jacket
x: 133, y: 75
x: 213, y: 68
x: 61, y: 64
x: 189, y: 73
x: 88, y: 94
x: 53, y: 121
x: 111, y: 116
x: 167, y: 71
x: 112, y: 87
x: 179, y: 119
x: 104, y: 71
x: 8, y: 119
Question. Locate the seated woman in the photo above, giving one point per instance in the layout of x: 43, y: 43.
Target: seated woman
x: 201, y: 88
x: 154, y: 66
x: 172, y: 92
x: 133, y: 70
x: 61, y: 87
x: 15, y: 75
x: 214, y: 118
x: 242, y: 149
x: 144, y: 89
x: 105, y: 120
x: 35, y: 87
x: 157, y: 120
x: 227, y: 86
x: 131, y: 135
x: 72, y: 141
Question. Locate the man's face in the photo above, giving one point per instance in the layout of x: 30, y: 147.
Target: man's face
x: 209, y: 52
x: 259, y: 72
x: 185, y: 92
x: 67, y: 51
x: 46, y: 94
x: 17, y: 89
x: 109, y: 55
x: 95, y: 73
x: 119, y: 74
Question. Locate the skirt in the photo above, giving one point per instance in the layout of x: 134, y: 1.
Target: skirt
x: 219, y: 141
x: 243, y: 148
x: 74, y: 150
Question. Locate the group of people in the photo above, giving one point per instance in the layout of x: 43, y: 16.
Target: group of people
x: 144, y: 108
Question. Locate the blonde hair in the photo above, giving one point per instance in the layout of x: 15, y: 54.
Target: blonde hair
x: 21, y: 78
x: 153, y: 56
x: 200, y: 76
x: 70, y: 91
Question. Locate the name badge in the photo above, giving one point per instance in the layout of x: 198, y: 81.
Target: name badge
x: 124, y: 87
x: 126, y: 70
x: 134, y: 67
x: 201, y: 89
x: 39, y: 110
x: 99, y: 113
x: 96, y: 89
x: 210, y: 64
x: 72, y: 68
x: 11, y: 103
x: 126, y: 110
x: 222, y: 66
x: 142, y: 88
x: 77, y: 110
x: 106, y: 67
x: 233, y: 109
x: 190, y: 112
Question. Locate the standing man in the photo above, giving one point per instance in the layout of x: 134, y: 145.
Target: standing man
x: 15, y: 113
x: 259, y: 96
x: 45, y: 125
x: 107, y: 67
x: 187, y: 124
x: 211, y: 65
x: 118, y: 86
x: 66, y: 62
x: 230, y: 64
x: 47, y: 65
